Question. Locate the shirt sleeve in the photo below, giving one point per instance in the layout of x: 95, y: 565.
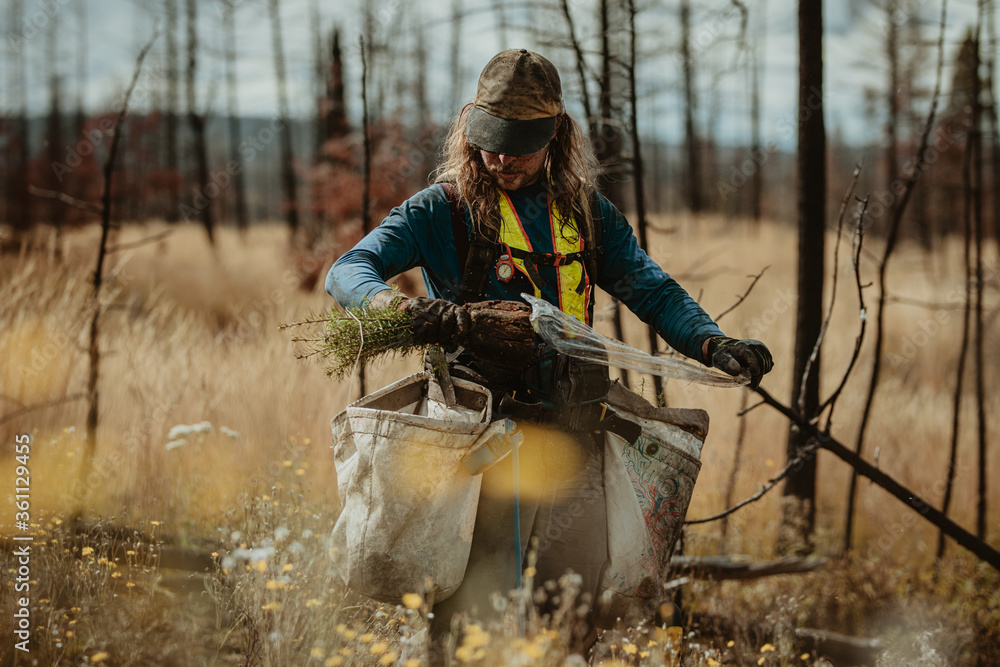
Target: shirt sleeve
x: 628, y: 273
x: 415, y: 233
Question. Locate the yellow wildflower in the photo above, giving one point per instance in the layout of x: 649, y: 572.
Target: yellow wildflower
x: 100, y: 656
x: 412, y: 601
x: 631, y: 649
x: 86, y: 551
x: 378, y: 648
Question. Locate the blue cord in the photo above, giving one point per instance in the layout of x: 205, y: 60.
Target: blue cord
x: 515, y: 441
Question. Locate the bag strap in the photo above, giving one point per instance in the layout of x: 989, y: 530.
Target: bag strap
x: 475, y: 255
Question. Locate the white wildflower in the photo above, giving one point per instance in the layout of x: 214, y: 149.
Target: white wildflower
x: 175, y: 444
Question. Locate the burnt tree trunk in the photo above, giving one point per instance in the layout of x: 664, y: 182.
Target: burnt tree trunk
x: 799, y: 495
x: 171, y: 161
x: 239, y: 186
x: 288, y: 180
x: 692, y: 178
x: 197, y: 122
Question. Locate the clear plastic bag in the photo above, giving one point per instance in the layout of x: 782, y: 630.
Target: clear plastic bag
x: 572, y: 337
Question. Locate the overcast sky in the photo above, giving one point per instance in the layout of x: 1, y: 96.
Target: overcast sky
x: 109, y: 34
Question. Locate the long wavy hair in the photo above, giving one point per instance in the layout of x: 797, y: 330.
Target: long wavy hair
x: 570, y: 170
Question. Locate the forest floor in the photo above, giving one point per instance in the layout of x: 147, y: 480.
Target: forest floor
x: 214, y: 456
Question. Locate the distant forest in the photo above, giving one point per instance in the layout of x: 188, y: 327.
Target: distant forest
x: 177, y: 161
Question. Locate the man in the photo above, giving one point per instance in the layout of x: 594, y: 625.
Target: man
x: 517, y: 212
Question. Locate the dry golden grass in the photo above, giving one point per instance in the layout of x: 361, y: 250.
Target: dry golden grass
x: 190, y: 336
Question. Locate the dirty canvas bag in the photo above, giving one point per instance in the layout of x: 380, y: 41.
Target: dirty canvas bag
x: 647, y: 487
x: 409, y: 505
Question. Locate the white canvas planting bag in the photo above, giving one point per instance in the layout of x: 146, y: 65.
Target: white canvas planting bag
x: 647, y: 488
x: 409, y: 505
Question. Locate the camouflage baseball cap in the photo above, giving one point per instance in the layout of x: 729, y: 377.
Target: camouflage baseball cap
x: 517, y: 101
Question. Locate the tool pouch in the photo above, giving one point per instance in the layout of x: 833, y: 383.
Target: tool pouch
x: 573, y: 389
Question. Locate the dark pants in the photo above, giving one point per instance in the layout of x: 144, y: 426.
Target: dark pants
x: 562, y: 510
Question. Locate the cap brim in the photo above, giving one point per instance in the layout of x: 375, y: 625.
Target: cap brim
x: 508, y: 137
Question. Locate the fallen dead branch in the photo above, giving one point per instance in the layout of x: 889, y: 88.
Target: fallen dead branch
x: 739, y: 568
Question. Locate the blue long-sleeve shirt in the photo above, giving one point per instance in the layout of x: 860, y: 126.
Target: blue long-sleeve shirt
x: 419, y: 233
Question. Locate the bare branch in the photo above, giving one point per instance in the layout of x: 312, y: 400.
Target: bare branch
x: 920, y: 303
x: 893, y: 235
x: 749, y: 409
x: 862, y: 317
x: 65, y: 199
x: 824, y: 440
x: 833, y: 291
x: 41, y: 406
x: 745, y: 294
x: 141, y: 242
x: 804, y: 454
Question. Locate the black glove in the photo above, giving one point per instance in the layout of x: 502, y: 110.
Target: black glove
x: 438, y: 321
x: 734, y: 356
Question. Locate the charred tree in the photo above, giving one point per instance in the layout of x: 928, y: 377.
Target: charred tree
x: 288, y: 180
x: 54, y: 140
x: 692, y: 177
x: 239, y: 185
x: 171, y: 139
x: 608, y: 143
x: 19, y: 206
x: 366, y: 216
x: 596, y: 128
x: 197, y: 122
x: 638, y: 173
x: 799, y: 493
x: 756, y: 154
x: 455, y: 55
x: 335, y: 120
x: 421, y: 104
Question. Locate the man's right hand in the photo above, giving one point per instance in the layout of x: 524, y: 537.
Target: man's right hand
x: 438, y: 321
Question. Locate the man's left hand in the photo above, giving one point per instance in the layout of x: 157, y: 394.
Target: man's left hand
x: 734, y: 356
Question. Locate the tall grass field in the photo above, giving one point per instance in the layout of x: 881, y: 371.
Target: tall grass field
x: 200, y: 533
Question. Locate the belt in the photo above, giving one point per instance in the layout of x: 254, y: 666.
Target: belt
x: 587, y: 417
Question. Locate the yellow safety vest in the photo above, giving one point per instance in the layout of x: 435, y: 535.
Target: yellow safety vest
x: 571, y: 273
